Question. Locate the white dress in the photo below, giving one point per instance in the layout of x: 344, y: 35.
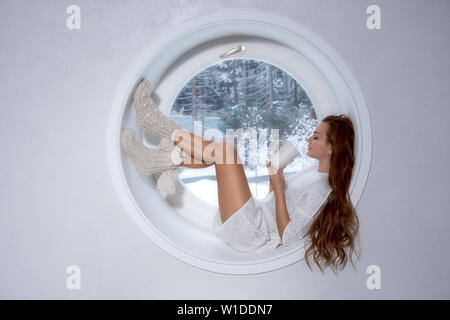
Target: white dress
x: 253, y: 228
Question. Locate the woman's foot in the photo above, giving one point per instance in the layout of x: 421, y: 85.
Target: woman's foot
x: 146, y: 160
x: 149, y: 118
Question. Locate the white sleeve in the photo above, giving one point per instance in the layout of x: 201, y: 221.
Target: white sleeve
x: 301, y: 211
x: 295, y: 230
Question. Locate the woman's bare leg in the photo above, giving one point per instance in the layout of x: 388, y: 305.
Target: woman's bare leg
x: 195, y: 146
x: 232, y: 184
x: 188, y: 162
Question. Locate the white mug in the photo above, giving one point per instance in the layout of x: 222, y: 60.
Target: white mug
x: 285, y: 154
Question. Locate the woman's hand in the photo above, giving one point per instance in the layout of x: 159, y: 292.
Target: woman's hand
x: 276, y: 178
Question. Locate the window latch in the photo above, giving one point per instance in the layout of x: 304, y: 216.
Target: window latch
x: 232, y: 51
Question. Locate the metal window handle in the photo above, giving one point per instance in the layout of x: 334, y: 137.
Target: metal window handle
x: 232, y: 51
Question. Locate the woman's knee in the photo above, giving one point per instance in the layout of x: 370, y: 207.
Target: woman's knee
x: 223, y: 151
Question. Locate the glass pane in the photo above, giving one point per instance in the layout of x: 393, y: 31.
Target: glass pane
x: 248, y: 95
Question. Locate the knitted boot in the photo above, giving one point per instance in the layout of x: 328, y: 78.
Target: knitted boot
x: 149, y: 118
x: 167, y: 181
x: 149, y: 161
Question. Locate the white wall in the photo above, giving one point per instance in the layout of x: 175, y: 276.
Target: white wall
x: 57, y: 203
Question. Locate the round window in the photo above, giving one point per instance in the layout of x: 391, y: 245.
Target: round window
x: 252, y: 92
x: 248, y: 96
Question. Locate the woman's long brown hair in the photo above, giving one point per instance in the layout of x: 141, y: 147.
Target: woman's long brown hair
x: 336, y: 225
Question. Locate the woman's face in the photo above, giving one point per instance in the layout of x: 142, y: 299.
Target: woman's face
x: 318, y: 146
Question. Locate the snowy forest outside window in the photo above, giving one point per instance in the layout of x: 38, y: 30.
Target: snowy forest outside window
x: 244, y: 93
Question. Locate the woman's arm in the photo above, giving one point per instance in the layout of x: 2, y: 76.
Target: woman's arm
x: 282, y: 215
x: 274, y: 150
x: 277, y: 183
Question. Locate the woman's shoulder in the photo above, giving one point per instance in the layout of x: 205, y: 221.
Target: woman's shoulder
x: 321, y: 186
x: 307, y: 177
x: 314, y: 187
x: 302, y: 172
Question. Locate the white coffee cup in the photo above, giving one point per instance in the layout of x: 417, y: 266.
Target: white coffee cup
x: 284, y: 155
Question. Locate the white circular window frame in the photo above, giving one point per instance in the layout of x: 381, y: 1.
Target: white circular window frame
x: 277, y: 40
